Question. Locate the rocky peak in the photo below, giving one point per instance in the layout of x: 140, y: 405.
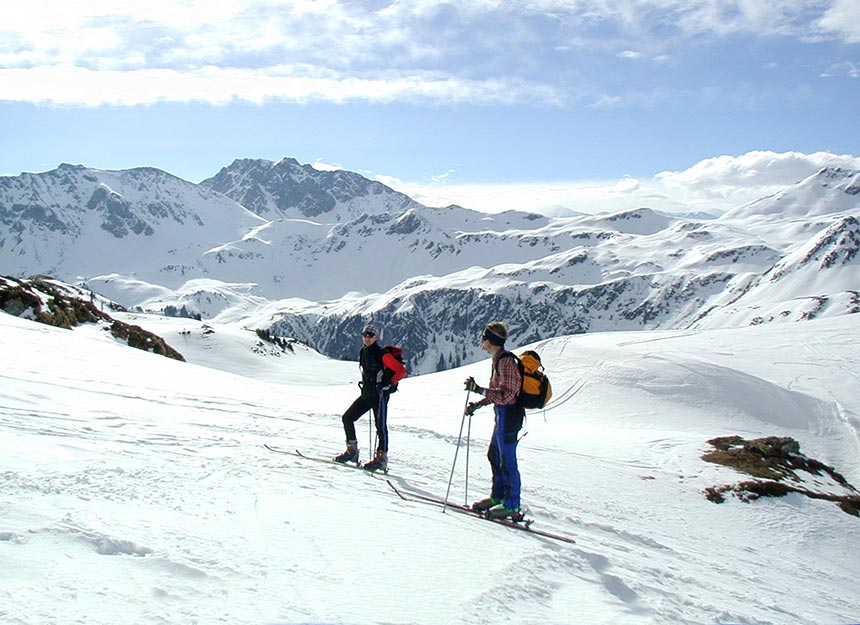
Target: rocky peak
x: 288, y: 189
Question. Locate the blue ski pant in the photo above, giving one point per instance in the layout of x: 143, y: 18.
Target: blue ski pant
x: 379, y: 406
x: 502, y: 455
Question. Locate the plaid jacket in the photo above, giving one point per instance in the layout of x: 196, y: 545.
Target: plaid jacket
x: 505, y: 381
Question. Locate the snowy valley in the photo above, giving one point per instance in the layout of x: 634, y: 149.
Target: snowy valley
x: 136, y: 488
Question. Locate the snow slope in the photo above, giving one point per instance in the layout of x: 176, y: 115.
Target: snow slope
x: 234, y: 348
x: 135, y: 489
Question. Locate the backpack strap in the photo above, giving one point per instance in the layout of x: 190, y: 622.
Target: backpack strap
x: 505, y: 354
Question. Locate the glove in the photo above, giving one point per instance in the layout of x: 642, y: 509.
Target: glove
x: 471, y: 407
x: 472, y: 386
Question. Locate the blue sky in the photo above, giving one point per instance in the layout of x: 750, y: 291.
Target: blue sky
x: 588, y: 104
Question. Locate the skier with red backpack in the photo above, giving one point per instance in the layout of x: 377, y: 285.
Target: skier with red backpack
x: 381, y: 369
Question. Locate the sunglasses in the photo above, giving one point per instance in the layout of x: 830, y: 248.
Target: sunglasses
x: 485, y: 337
x: 368, y: 335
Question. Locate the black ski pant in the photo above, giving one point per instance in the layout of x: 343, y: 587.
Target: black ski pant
x: 379, y: 406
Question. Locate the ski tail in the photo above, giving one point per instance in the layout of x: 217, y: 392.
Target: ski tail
x: 525, y: 525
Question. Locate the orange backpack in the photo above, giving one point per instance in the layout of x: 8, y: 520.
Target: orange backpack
x: 537, y: 390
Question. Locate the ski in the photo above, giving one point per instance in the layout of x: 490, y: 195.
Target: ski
x: 298, y: 454
x: 525, y: 526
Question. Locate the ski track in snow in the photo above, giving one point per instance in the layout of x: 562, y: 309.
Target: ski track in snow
x: 150, y: 498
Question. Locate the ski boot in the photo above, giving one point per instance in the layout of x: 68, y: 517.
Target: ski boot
x: 500, y: 512
x: 485, y: 504
x: 379, y: 463
x: 350, y: 455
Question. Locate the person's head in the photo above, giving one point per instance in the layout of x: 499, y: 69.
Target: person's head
x: 370, y: 334
x: 494, y: 336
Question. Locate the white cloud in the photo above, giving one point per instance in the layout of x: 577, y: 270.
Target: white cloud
x: 474, y: 50
x: 843, y: 18
x: 72, y: 85
x: 627, y: 184
x: 540, y: 197
x: 441, y: 178
x: 852, y: 70
x: 393, y: 182
x: 676, y: 20
x: 321, y: 165
x: 713, y: 185
x: 724, y: 176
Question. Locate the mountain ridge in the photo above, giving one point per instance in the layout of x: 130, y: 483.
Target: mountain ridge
x: 355, y: 250
x: 288, y: 189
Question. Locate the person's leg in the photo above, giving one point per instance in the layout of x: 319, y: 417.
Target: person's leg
x: 507, y: 474
x: 380, y: 414
x: 510, y: 471
x: 352, y: 414
x: 494, y: 456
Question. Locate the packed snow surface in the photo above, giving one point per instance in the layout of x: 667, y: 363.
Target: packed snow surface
x: 136, y: 489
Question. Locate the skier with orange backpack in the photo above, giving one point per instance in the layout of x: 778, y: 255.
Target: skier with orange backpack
x: 503, y: 393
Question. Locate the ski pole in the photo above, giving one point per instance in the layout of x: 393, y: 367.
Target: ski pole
x: 468, y: 447
x: 456, y: 451
x: 374, y: 416
x: 382, y: 430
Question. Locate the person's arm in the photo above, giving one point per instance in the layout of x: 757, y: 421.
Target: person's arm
x: 506, y: 383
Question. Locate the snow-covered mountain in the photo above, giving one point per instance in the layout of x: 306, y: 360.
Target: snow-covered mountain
x: 80, y: 222
x: 343, y: 250
x: 288, y: 189
x: 630, y: 271
x: 819, y: 277
x: 832, y: 190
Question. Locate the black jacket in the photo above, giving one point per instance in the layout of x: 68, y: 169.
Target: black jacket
x: 374, y: 375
